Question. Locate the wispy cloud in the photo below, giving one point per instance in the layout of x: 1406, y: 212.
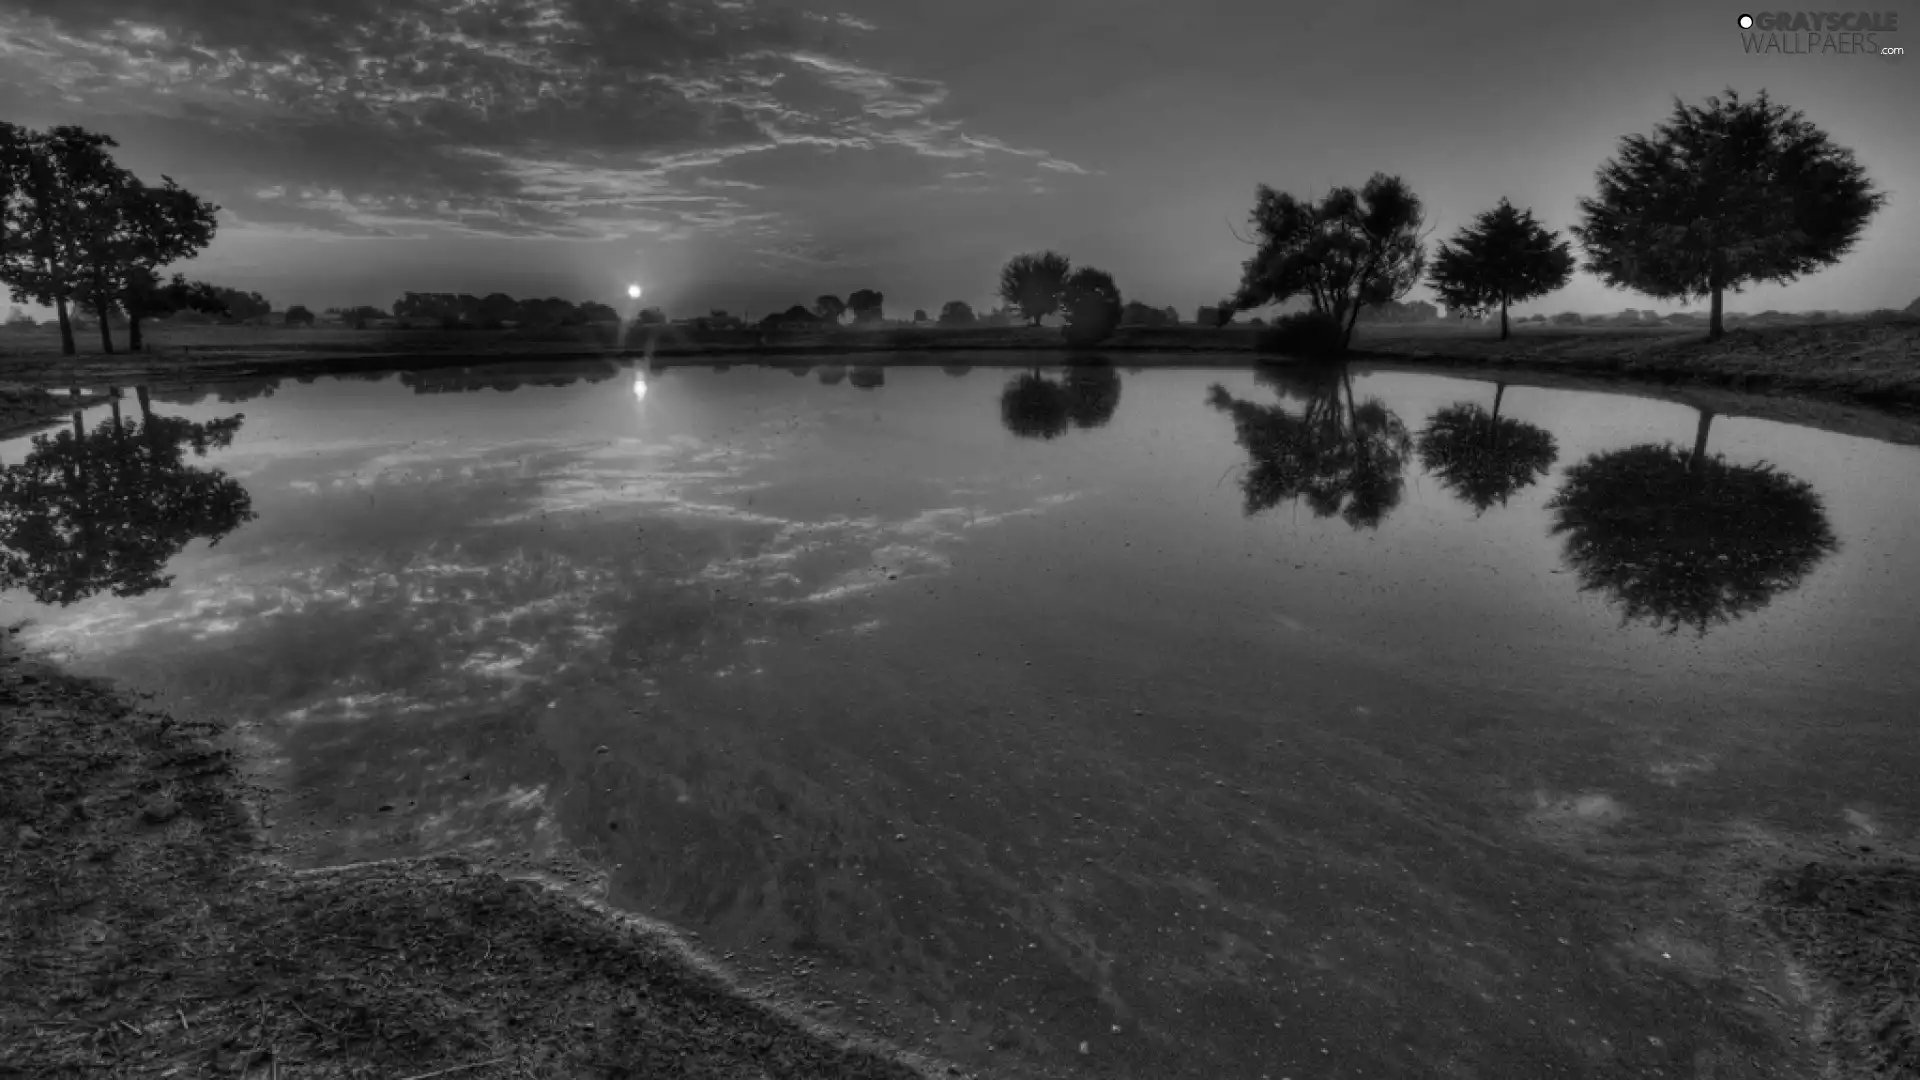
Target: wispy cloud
x: 509, y: 118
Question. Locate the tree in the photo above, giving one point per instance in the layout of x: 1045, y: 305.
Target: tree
x: 1035, y: 407
x: 1092, y: 305
x: 920, y: 315
x: 64, y: 184
x: 298, y: 315
x: 1347, y: 251
x: 830, y: 308
x: 145, y: 297
x: 956, y: 313
x: 652, y: 316
x: 1172, y: 316
x: 158, y: 226
x: 1135, y: 313
x: 1035, y: 283
x: 1504, y: 256
x: 1734, y: 192
x: 865, y: 305
x: 243, y: 305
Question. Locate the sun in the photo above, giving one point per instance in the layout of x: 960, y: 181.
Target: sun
x: 633, y: 292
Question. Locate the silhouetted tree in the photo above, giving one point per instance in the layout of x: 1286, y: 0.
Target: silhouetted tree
x: 1503, y: 257
x: 866, y: 305
x: 920, y: 315
x: 1035, y: 283
x: 1344, y: 252
x: 106, y: 510
x: 832, y: 375
x: 298, y: 315
x: 1682, y: 540
x: 956, y: 370
x: 243, y: 305
x: 1345, y: 459
x: 1482, y: 457
x: 830, y: 308
x: 1092, y: 305
x: 1721, y: 196
x: 868, y: 376
x: 62, y: 210
x: 651, y: 316
x: 956, y: 313
x: 145, y: 297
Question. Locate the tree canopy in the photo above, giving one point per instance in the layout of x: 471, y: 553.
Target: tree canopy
x: 1504, y: 257
x: 866, y: 305
x: 830, y: 308
x: 956, y: 313
x: 1035, y: 283
x: 1722, y: 195
x: 1348, y: 250
x: 1092, y: 305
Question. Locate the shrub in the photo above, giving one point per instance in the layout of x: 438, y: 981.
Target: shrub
x: 1307, y: 334
x: 1568, y: 318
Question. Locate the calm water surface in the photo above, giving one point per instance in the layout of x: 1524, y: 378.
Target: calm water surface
x: 1097, y: 722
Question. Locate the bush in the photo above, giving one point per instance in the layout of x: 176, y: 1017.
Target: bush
x: 1568, y: 318
x: 1307, y: 334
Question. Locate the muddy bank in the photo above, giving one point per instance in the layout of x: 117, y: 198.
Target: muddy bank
x: 148, y: 930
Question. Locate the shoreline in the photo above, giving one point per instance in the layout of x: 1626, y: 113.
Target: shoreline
x: 1861, y: 362
x: 139, y: 854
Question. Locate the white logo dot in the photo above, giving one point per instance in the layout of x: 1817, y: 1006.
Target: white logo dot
x: 1746, y: 22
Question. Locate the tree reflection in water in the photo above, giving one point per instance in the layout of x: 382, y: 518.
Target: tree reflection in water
x: 87, y: 512
x: 1484, y: 458
x: 1346, y: 458
x: 1033, y: 406
x: 1681, y: 539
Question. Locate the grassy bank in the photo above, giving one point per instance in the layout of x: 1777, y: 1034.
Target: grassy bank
x: 1872, y: 361
x: 145, y: 930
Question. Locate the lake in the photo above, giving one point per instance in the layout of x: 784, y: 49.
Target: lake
x: 1093, y: 721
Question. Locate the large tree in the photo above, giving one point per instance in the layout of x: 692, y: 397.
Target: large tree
x: 65, y: 185
x: 866, y: 305
x: 1035, y: 283
x: 1722, y: 195
x: 1092, y: 305
x: 830, y: 308
x: 956, y: 313
x: 1504, y: 257
x: 1346, y: 251
x: 141, y: 229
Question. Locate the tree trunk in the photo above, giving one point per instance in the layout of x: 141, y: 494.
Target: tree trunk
x: 1715, y: 328
x: 1346, y: 335
x: 1503, y: 318
x: 146, y: 405
x: 133, y: 332
x: 106, y: 330
x: 79, y: 430
x: 67, y: 347
x: 1493, y: 429
x: 1699, y: 456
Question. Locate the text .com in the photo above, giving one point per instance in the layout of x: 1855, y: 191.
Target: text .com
x: 1805, y: 33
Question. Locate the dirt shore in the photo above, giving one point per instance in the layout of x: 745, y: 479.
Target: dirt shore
x: 147, y: 930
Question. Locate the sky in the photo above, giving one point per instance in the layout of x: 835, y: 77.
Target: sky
x: 743, y: 155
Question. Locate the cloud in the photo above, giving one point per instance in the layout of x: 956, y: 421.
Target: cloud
x: 512, y: 118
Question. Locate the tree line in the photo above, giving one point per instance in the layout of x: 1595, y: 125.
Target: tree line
x: 1719, y: 196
